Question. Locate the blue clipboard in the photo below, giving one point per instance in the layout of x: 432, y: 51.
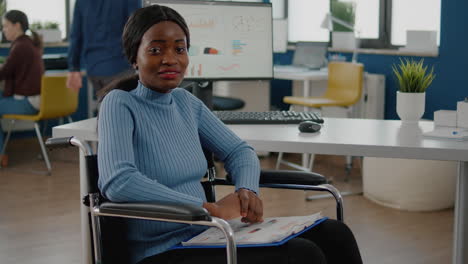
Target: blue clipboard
x: 279, y: 243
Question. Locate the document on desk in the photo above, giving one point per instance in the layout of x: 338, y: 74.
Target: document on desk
x: 271, y: 232
x: 454, y: 133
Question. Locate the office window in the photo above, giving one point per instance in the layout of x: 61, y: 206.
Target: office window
x: 367, y: 18
x: 279, y: 9
x: 405, y: 18
x: 369, y: 21
x: 381, y: 23
x: 42, y: 11
x: 305, y: 18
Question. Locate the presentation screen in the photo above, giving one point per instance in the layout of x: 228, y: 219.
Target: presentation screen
x: 228, y: 40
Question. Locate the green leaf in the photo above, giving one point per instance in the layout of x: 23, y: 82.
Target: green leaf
x: 413, y: 76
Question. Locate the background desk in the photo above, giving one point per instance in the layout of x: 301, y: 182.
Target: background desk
x: 341, y: 136
x: 372, y: 101
x: 305, y: 76
x: 256, y: 94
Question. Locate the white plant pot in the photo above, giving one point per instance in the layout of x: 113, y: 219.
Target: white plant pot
x: 410, y: 106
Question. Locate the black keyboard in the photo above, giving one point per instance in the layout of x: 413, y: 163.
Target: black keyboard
x: 270, y: 117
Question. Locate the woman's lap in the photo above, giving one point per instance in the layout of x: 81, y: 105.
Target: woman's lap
x: 295, y: 251
x: 336, y: 241
x: 318, y: 245
x: 10, y: 105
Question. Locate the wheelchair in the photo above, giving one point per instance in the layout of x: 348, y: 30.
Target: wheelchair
x: 106, y: 217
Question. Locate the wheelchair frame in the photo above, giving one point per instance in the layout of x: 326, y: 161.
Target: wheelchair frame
x: 180, y: 213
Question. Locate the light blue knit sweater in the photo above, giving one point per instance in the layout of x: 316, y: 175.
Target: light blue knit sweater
x: 150, y: 149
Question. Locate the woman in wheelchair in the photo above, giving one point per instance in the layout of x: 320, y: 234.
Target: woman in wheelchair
x: 151, y: 136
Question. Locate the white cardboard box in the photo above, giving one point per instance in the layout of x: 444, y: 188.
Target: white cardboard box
x: 445, y: 118
x: 343, y: 40
x: 421, y: 41
x: 50, y: 35
x: 462, y: 114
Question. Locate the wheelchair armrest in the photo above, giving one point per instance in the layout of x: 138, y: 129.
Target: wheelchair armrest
x: 291, y: 177
x: 161, y: 210
x: 283, y: 177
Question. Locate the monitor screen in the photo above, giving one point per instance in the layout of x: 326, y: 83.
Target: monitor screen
x: 228, y: 40
x: 310, y: 54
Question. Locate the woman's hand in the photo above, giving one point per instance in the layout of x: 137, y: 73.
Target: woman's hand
x: 251, y: 207
x: 74, y: 81
x: 226, y: 208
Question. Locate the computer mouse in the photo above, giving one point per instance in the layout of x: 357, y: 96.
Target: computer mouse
x: 309, y: 126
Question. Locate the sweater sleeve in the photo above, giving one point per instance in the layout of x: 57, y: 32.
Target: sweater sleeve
x: 240, y: 159
x: 19, y: 54
x: 76, y: 39
x: 119, y: 178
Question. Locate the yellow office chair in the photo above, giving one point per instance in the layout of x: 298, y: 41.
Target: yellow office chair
x: 345, y: 82
x: 344, y: 87
x: 57, y: 101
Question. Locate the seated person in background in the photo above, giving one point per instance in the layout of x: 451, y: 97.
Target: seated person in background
x: 151, y: 136
x: 22, y: 70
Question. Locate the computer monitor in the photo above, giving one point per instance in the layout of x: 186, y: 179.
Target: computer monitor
x: 311, y: 55
x: 228, y: 40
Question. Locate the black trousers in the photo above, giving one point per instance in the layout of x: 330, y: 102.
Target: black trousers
x: 330, y: 242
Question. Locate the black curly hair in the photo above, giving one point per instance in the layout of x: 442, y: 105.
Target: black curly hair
x: 144, y: 18
x: 137, y: 25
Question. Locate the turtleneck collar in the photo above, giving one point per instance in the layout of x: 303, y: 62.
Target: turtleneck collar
x: 147, y: 93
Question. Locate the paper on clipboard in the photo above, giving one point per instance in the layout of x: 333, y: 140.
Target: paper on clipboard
x: 272, y: 230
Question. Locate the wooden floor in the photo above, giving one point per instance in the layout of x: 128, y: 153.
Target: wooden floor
x: 39, y: 214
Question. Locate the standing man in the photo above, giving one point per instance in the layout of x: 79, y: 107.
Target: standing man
x: 95, y: 43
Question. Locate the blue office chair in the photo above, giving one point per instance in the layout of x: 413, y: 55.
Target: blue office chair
x: 220, y: 103
x: 106, y: 218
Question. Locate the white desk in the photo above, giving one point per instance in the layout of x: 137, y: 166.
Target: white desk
x: 306, y: 77
x: 341, y: 136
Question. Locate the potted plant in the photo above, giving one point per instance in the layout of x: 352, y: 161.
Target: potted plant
x: 413, y: 80
x: 49, y: 31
